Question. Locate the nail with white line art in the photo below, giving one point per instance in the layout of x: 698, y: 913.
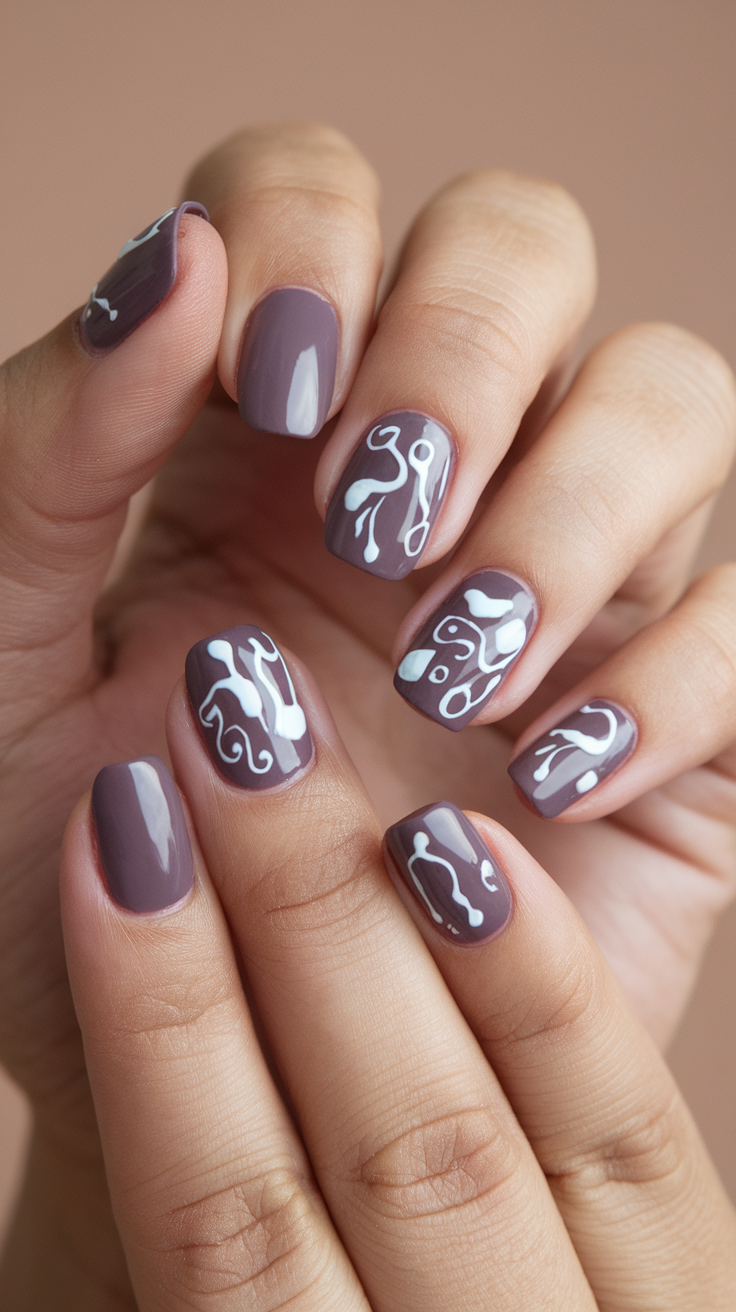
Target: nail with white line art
x: 136, y: 284
x: 447, y: 867
x: 246, y: 708
x: 574, y: 757
x: 386, y: 503
x: 461, y: 656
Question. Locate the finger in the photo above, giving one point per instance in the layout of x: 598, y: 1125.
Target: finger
x: 211, y: 1190
x: 641, y: 1201
x: 413, y: 1146
x: 88, y: 417
x: 592, y: 531
x: 663, y: 704
x: 297, y: 207
x: 495, y: 281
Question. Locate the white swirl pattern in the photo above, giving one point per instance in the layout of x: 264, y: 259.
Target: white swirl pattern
x: 421, y: 853
x: 420, y: 457
x: 585, y: 742
x: 459, y: 631
x: 276, y: 717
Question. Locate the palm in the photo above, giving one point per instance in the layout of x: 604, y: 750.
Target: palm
x: 234, y: 535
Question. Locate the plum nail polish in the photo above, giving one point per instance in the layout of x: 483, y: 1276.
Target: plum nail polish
x: 286, y: 374
x: 389, y: 496
x: 246, y: 707
x: 575, y: 756
x: 136, y: 284
x: 462, y: 655
x: 142, y: 836
x: 446, y: 865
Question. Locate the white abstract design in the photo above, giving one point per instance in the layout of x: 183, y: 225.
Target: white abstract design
x: 276, y: 716
x: 420, y: 457
x: 421, y: 853
x: 456, y: 630
x: 586, y: 743
x: 102, y: 301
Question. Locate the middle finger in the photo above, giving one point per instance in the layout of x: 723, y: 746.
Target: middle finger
x: 416, y: 1150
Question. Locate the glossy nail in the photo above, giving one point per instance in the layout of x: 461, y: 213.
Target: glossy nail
x: 286, y: 374
x: 462, y: 655
x: 447, y: 866
x: 141, y: 835
x: 244, y: 701
x: 390, y: 495
x: 568, y: 761
x: 136, y: 284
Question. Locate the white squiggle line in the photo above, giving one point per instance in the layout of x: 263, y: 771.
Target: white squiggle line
x: 465, y: 690
x: 421, y: 844
x: 422, y: 468
x: 215, y: 714
x: 289, y: 718
x: 574, y: 738
x: 102, y: 301
x: 362, y: 488
x: 138, y: 241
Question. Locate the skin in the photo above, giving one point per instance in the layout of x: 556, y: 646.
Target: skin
x: 494, y: 284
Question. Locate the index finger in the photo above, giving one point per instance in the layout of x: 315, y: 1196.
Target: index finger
x: 297, y: 207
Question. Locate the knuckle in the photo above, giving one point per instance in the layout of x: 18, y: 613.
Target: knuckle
x: 257, y: 1239
x: 168, y: 1022
x: 455, y: 1161
x: 647, y: 1148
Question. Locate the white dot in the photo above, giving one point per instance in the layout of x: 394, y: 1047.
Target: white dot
x: 587, y: 781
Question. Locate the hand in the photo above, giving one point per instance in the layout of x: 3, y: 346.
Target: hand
x: 499, y: 1131
x: 597, y: 510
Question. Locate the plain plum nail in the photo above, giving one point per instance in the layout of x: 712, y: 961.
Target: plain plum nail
x: 451, y: 873
x: 383, y: 509
x: 570, y: 760
x: 136, y: 284
x: 461, y: 656
x: 141, y: 834
x: 286, y: 374
x: 246, y: 707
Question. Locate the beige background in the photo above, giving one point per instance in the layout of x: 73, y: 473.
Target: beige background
x: 631, y: 104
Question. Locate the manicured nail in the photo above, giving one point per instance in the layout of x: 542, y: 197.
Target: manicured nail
x: 390, y: 495
x: 141, y: 834
x: 286, y: 374
x: 139, y: 280
x: 244, y: 700
x: 571, y: 759
x: 447, y: 866
x: 462, y: 655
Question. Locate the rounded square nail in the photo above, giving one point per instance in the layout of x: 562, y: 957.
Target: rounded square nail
x: 448, y: 868
x: 286, y: 374
x: 136, y: 284
x: 461, y: 656
x: 246, y: 707
x: 575, y: 756
x: 389, y: 496
x: 142, y: 835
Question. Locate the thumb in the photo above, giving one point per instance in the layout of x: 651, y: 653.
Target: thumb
x: 87, y: 416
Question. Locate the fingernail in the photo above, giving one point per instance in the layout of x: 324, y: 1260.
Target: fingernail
x: 141, y: 834
x: 462, y: 655
x: 390, y: 495
x: 244, y: 700
x: 139, y: 280
x: 579, y: 753
x: 447, y: 866
x: 286, y: 374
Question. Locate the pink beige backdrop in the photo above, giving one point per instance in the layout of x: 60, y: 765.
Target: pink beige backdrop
x: 631, y: 104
